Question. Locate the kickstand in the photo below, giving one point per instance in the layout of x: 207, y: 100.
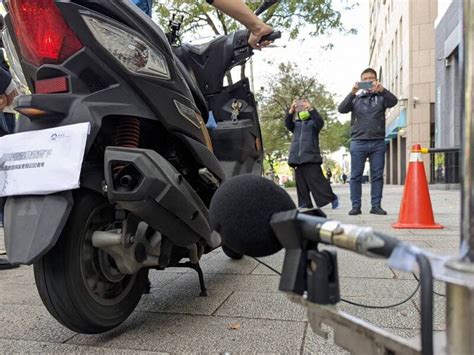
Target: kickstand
x: 198, y: 269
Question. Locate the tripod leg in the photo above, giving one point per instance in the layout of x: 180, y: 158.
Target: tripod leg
x: 198, y: 269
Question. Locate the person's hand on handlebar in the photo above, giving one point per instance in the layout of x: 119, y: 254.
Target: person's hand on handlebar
x: 257, y: 34
x: 238, y: 10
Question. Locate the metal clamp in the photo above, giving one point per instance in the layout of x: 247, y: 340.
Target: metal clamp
x: 329, y: 229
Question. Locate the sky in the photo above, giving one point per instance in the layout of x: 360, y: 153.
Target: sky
x: 338, y: 69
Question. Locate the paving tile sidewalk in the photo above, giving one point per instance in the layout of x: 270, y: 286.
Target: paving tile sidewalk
x: 173, y: 319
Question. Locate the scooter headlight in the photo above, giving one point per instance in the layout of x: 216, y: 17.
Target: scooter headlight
x: 131, y: 51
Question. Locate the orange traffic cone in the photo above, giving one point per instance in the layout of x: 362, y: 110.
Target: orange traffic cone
x: 416, y: 211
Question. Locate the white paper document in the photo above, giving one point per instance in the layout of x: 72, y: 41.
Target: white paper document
x: 42, y: 162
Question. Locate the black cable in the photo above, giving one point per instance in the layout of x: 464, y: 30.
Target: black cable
x: 426, y: 300
x: 268, y: 266
x: 355, y: 303
x: 384, y: 307
x: 436, y: 293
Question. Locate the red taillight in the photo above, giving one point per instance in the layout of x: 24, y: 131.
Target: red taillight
x: 43, y: 35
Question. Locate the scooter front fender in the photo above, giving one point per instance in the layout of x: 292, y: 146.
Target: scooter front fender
x: 33, y: 225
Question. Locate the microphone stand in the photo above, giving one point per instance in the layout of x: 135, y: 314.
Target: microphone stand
x: 310, y: 278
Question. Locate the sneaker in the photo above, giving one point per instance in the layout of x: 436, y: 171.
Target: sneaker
x: 378, y: 210
x: 335, y: 203
x: 355, y: 211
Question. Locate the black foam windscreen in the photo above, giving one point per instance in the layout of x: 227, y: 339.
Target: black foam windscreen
x: 241, y: 210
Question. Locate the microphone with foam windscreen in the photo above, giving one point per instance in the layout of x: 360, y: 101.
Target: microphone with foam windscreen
x: 245, y: 207
x: 257, y: 218
x: 241, y: 210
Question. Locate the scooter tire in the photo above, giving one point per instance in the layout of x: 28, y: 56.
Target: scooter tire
x: 60, y: 274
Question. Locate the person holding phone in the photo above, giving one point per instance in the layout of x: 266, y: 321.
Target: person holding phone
x: 306, y: 123
x: 368, y: 101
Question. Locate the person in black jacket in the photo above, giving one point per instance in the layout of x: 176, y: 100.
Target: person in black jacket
x: 368, y: 108
x: 305, y: 156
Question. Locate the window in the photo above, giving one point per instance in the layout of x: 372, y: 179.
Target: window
x: 397, y: 58
x: 400, y: 37
x: 395, y: 89
x: 387, y: 69
x: 401, y: 82
x: 394, y: 60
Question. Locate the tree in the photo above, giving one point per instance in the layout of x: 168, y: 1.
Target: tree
x: 336, y: 135
x: 289, y: 15
x: 275, y: 102
x: 276, y: 138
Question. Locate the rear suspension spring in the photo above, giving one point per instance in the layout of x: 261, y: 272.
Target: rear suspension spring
x: 128, y: 132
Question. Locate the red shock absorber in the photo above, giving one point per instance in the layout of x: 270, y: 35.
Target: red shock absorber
x: 128, y: 132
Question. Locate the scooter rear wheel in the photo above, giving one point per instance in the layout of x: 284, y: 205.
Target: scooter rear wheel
x: 80, y: 285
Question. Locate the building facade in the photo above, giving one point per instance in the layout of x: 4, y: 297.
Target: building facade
x: 402, y: 50
x: 449, y: 94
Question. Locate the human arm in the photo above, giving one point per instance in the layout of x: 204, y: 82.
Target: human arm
x: 346, y: 105
x: 314, y: 115
x: 317, y: 119
x: 239, y: 11
x: 8, y: 88
x: 390, y: 99
x: 289, y: 122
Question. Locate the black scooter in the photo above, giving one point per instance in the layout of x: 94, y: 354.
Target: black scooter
x: 150, y: 168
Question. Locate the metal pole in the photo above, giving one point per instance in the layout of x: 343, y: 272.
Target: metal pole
x: 252, y: 78
x: 460, y: 283
x: 467, y: 240
x: 459, y: 318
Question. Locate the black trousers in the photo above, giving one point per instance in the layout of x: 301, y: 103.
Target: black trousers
x: 310, y: 178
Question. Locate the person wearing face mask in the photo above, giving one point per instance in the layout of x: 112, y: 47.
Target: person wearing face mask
x: 368, y: 101
x: 306, y: 123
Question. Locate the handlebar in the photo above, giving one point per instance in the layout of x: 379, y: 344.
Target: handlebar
x: 222, y: 54
x: 271, y: 37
